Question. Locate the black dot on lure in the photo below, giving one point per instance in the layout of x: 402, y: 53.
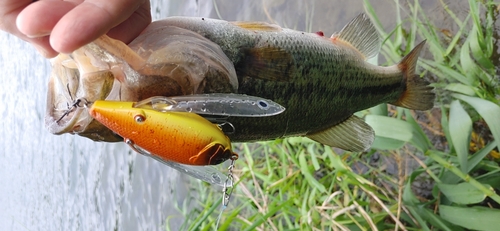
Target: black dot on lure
x: 263, y: 104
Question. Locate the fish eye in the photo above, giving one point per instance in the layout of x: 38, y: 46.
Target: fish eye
x: 139, y: 118
x: 263, y: 104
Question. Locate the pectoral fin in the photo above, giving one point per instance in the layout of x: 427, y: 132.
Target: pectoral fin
x: 351, y: 135
x: 270, y: 63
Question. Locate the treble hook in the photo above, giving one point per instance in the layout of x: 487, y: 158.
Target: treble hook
x: 76, y: 104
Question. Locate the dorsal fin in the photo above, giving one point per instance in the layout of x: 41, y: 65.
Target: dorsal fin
x: 258, y: 26
x: 362, y: 35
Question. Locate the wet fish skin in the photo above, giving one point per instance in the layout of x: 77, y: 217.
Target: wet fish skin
x: 162, y: 61
x: 321, y: 81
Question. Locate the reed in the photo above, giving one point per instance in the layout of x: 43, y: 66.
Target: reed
x: 435, y: 170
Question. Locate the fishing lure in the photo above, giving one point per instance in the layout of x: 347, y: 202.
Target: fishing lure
x: 170, y: 130
x: 219, y: 104
x: 181, y: 137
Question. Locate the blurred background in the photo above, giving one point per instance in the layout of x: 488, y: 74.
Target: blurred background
x: 68, y: 182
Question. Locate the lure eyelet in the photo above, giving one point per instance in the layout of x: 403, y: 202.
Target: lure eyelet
x: 139, y: 118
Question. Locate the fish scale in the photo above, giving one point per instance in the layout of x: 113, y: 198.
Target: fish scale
x: 320, y: 81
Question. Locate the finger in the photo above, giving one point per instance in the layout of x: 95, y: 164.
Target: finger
x: 9, y: 11
x: 133, y: 26
x: 38, y: 19
x: 88, y: 21
x: 42, y: 45
x: 8, y: 14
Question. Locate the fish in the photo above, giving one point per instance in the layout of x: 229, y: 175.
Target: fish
x: 321, y: 81
x: 180, y: 137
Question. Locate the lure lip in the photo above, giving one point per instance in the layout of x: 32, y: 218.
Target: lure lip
x: 206, y: 173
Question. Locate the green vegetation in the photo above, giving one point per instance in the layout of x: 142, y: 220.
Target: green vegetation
x: 434, y: 170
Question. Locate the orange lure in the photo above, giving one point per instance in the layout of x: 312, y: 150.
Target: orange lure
x: 181, y: 137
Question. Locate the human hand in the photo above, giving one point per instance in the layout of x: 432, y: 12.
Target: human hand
x: 56, y: 26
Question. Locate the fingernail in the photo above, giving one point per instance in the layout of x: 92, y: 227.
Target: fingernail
x: 41, y: 50
x: 41, y: 34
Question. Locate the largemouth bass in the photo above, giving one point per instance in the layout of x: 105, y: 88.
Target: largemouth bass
x: 321, y: 81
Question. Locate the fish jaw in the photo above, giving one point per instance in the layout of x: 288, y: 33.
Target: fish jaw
x: 163, y: 61
x: 75, y: 77
x: 181, y: 137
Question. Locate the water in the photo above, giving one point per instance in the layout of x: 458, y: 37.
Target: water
x: 68, y: 182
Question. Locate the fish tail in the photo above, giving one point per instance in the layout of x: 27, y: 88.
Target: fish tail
x: 417, y: 92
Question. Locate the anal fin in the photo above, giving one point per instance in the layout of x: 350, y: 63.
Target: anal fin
x: 351, y: 135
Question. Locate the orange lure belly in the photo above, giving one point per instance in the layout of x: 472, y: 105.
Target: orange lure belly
x: 181, y: 137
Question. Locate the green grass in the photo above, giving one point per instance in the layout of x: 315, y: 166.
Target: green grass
x: 298, y: 184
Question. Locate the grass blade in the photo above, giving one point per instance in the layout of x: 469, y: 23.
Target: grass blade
x: 463, y: 193
x: 390, y: 133
x: 274, y: 208
x: 304, y: 168
x: 388, y: 127
x: 460, y: 130
x: 488, y: 110
x: 475, y: 218
x: 488, y: 191
x: 461, y: 88
x: 479, y: 156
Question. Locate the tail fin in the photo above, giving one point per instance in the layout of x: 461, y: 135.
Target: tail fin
x: 418, y: 94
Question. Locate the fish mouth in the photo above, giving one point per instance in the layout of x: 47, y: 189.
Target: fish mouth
x: 74, y: 79
x: 163, y: 61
